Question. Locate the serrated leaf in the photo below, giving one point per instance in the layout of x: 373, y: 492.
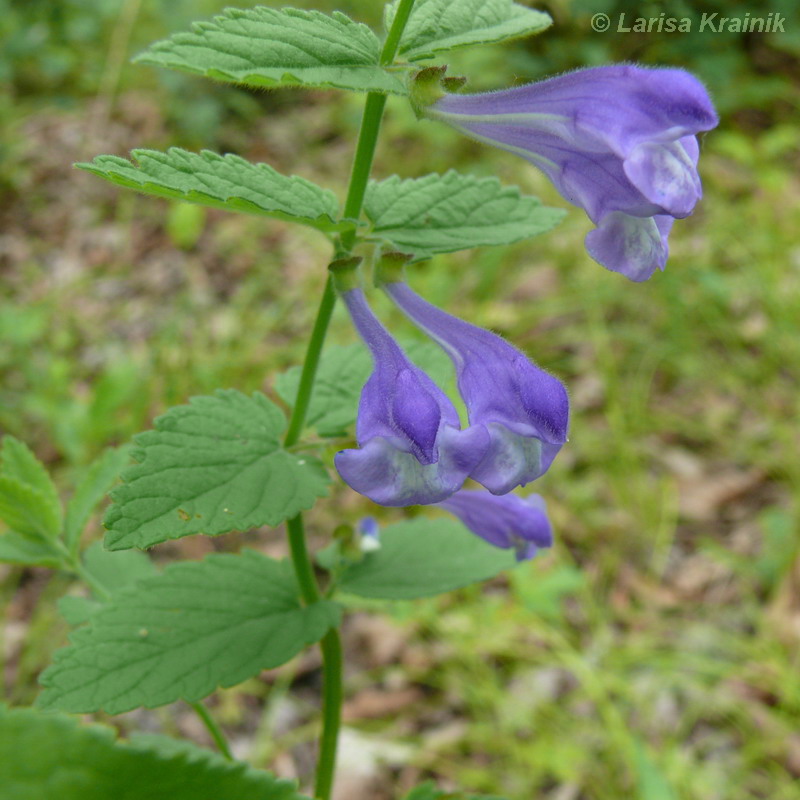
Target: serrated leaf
x: 113, y: 571
x: 436, y: 26
x: 445, y: 213
x: 342, y: 373
x: 48, y: 756
x: 28, y: 511
x: 24, y: 551
x: 424, y: 557
x: 29, y: 501
x: 18, y: 461
x: 99, y: 478
x: 213, y: 466
x: 184, y: 633
x: 228, y: 182
x: 266, y: 47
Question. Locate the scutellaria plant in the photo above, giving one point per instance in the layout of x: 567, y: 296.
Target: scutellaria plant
x: 619, y: 141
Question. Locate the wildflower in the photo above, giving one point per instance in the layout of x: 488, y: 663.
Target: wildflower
x: 370, y: 535
x: 618, y: 141
x: 524, y: 409
x: 411, y: 448
x: 508, y: 521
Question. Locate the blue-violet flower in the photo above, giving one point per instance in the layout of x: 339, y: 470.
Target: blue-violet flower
x: 619, y: 141
x: 411, y: 447
x: 524, y: 409
x: 507, y: 521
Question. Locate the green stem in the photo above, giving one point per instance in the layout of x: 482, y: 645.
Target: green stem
x: 370, y: 126
x: 313, y: 352
x: 303, y: 567
x: 331, y: 713
x: 392, y: 42
x: 331, y: 644
x: 73, y: 563
x: 211, y: 726
x: 362, y: 165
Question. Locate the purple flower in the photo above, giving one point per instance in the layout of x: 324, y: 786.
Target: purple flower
x: 370, y: 532
x: 411, y: 448
x: 618, y: 141
x: 508, y: 521
x: 524, y: 409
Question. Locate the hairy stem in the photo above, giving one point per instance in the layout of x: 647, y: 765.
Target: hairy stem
x: 331, y: 644
x: 392, y: 42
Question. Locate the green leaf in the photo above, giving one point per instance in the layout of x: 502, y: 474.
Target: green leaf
x: 183, y: 633
x: 429, y: 791
x: 49, y: 756
x: 18, y: 461
x: 27, y: 510
x: 77, y: 609
x: 439, y: 25
x: 228, y: 182
x: 342, y: 373
x: 424, y: 557
x: 18, y: 549
x: 29, y: 501
x: 445, y: 213
x: 213, y: 466
x: 266, y: 47
x: 99, y: 478
x: 115, y: 570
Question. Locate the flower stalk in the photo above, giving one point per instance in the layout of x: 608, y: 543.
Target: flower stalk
x: 331, y: 644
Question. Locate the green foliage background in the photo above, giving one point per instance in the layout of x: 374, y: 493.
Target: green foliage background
x: 654, y: 652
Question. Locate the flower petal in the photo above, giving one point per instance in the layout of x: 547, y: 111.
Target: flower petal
x: 524, y: 409
x: 390, y: 476
x: 508, y: 521
x: 632, y: 246
x: 666, y: 175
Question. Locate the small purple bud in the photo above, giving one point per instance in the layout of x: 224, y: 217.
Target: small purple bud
x: 507, y: 521
x: 370, y: 535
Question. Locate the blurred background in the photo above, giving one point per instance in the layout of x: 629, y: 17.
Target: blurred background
x: 654, y: 653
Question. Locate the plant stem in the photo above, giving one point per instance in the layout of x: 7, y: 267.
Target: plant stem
x: 331, y: 712
x: 73, y: 563
x: 313, y: 352
x: 331, y: 644
x: 362, y: 165
x: 303, y: 568
x: 211, y: 726
x: 368, y: 135
x: 389, y: 50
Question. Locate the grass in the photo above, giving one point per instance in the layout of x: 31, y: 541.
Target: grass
x: 654, y: 652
